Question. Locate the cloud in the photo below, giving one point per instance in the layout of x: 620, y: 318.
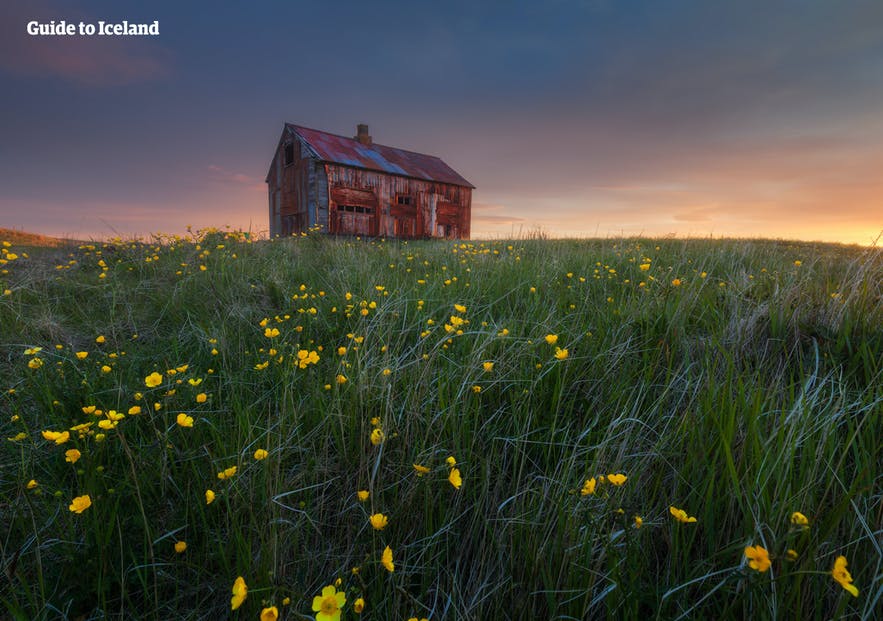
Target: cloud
x: 93, y: 61
x: 487, y: 213
x: 222, y: 175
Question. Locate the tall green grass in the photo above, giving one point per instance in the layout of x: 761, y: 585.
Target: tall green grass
x: 737, y: 380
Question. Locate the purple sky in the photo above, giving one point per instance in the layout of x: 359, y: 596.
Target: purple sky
x: 577, y: 117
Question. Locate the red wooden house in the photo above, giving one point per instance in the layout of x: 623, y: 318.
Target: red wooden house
x: 352, y: 186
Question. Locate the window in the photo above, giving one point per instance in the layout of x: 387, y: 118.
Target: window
x: 404, y: 199
x: 355, y: 209
x: 289, y: 153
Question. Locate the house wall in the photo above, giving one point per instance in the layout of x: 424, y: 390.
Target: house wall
x: 437, y: 209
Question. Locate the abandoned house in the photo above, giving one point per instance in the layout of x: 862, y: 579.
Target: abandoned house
x: 352, y: 186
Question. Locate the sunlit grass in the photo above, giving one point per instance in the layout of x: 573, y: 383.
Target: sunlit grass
x: 517, y: 429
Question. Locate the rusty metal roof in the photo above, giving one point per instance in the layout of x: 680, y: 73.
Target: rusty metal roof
x: 350, y: 152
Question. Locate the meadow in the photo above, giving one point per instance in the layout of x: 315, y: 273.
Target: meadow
x: 209, y: 427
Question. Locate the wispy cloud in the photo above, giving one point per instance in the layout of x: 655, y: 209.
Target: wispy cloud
x: 222, y: 175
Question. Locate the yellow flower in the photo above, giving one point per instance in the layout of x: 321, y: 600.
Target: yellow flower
x: 184, y: 420
x: 639, y: 521
x: 260, y: 454
x: 226, y: 474
x: 359, y: 606
x: 100, y: 338
x: 589, y: 487
x: 561, y: 354
x: 341, y: 351
x: 59, y: 437
x: 759, y: 558
x: 180, y: 547
x: 362, y: 495
x: 551, y: 339
x: 341, y: 379
x: 791, y: 554
x: 32, y: 484
x: 240, y: 592
x: 798, y: 519
x: 644, y: 267
x: 377, y: 436
x: 80, y: 504
x: 676, y: 282
x: 134, y: 410
x: 616, y: 479
x: 201, y: 397
x: 459, y: 308
x: 271, y: 333
x: 842, y: 575
x: 386, y: 560
x: 153, y: 380
x: 680, y: 515
x: 209, y: 496
x: 476, y: 389
x: 72, y: 455
x: 81, y: 355
x: 798, y: 263
x: 106, y: 369
x: 487, y: 366
x: 329, y: 604
x: 421, y: 470
x: 270, y: 614
x: 35, y: 363
x: 454, y: 478
x: 451, y: 461
x: 21, y: 435
x: 378, y: 521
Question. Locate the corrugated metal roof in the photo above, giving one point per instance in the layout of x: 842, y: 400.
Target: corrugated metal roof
x: 350, y: 152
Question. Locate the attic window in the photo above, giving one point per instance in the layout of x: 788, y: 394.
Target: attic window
x: 404, y: 199
x: 289, y: 153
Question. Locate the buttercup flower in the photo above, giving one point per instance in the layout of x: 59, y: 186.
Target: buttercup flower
x: 80, y: 504
x: 616, y: 479
x: 153, y: 380
x: 551, y: 339
x: 32, y: 484
x: 842, y: 576
x: 362, y: 495
x: 421, y: 470
x: 271, y: 333
x: 561, y: 354
x: 329, y: 604
x: 378, y: 521
x: 359, y: 606
x: 270, y: 614
x: 798, y: 519
x: 680, y: 515
x: 185, y: 421
x: 759, y: 558
x: 209, y: 496
x: 201, y: 397
x: 180, y: 547
x: 639, y: 521
x: 82, y: 355
x: 260, y: 454
x: 487, y: 366
x: 377, y: 436
x: 240, y: 592
x: 226, y: 474
x: 455, y: 479
x: 72, y: 455
x: 589, y: 487
x: 386, y: 560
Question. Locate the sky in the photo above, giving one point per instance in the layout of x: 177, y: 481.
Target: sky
x: 574, y: 118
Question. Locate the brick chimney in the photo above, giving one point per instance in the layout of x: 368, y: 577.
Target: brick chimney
x: 362, y: 134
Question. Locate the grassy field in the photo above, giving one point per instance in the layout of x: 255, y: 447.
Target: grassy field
x: 547, y: 429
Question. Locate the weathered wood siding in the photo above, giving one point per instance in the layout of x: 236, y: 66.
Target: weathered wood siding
x: 435, y: 209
